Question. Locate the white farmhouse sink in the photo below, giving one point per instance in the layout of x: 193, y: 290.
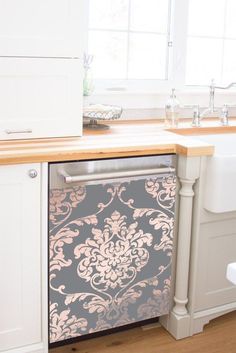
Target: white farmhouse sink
x: 220, y: 190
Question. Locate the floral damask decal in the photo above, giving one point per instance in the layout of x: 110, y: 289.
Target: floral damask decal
x: 110, y: 255
x: 165, y: 195
x: 113, y: 256
x: 63, y: 325
x: 61, y: 207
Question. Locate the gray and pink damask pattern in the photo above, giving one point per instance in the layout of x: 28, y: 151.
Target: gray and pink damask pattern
x: 110, y: 254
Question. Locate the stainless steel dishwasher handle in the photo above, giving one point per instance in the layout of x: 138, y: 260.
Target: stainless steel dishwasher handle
x: 69, y: 179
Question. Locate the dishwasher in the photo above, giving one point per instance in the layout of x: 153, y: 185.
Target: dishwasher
x: 111, y: 225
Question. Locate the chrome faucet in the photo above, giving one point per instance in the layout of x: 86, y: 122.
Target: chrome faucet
x: 211, y: 110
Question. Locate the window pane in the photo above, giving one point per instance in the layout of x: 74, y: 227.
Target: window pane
x: 204, y: 60
x: 119, y: 50
x: 229, y: 71
x: 109, y: 14
x: 110, y: 54
x: 230, y: 19
x: 147, y: 56
x: 149, y: 15
x: 206, y: 17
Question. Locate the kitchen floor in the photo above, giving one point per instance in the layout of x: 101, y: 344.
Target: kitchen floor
x: 218, y: 337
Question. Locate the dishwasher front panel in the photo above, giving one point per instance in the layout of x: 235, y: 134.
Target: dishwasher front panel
x: 110, y: 254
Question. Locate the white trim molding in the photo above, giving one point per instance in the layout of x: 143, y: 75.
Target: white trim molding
x: 178, y: 322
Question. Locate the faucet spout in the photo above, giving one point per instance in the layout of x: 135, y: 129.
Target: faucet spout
x: 232, y: 84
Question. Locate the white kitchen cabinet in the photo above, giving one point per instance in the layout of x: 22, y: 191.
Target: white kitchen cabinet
x: 217, y: 248
x: 40, y: 97
x: 20, y: 259
x: 42, y: 28
x: 213, y: 248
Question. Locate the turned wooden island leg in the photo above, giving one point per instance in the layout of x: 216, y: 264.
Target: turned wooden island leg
x: 178, y: 321
x: 184, y: 241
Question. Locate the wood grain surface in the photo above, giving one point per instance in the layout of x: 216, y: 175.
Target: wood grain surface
x: 122, y: 140
x: 218, y: 337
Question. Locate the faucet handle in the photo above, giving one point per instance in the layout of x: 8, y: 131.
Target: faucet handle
x: 224, y: 115
x: 196, y: 116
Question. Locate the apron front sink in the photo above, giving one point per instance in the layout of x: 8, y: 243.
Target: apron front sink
x: 220, y: 190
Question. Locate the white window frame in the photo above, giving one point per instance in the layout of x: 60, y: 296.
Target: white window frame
x: 144, y: 94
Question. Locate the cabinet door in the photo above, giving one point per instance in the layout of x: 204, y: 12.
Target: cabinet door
x: 42, y: 28
x: 217, y: 248
x: 40, y: 98
x: 20, y: 295
x: 110, y: 254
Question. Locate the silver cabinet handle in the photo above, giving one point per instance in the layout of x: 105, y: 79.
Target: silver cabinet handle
x: 26, y: 131
x: 33, y: 173
x: 68, y: 179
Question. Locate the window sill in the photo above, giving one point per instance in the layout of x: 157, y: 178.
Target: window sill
x: 157, y: 100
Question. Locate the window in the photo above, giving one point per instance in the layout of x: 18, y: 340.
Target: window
x: 158, y: 44
x: 129, y: 38
x: 211, y: 46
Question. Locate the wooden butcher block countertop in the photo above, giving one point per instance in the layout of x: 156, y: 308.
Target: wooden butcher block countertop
x: 122, y: 140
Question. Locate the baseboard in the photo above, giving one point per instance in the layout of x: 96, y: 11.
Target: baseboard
x: 34, y: 348
x: 202, y: 318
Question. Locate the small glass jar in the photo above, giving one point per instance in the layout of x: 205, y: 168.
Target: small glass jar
x: 172, y: 111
